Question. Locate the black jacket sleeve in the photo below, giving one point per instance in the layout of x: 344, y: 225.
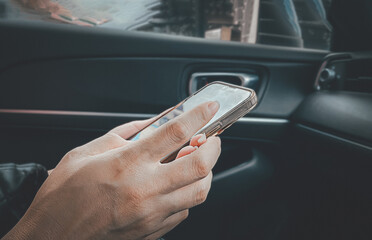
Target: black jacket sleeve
x: 18, y: 186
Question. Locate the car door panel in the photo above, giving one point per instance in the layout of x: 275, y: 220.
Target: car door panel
x: 151, y: 84
x: 62, y: 86
x: 347, y: 114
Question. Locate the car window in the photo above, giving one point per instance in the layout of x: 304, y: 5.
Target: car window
x: 294, y: 23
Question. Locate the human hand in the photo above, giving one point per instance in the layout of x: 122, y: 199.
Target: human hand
x: 129, y: 129
x: 112, y: 188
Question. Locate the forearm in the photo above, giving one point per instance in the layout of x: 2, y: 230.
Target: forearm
x: 34, y: 226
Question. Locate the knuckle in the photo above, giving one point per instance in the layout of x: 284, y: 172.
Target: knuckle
x: 129, y: 152
x: 129, y: 156
x: 177, y: 132
x: 73, y: 153
x: 111, y: 136
x: 113, y: 139
x: 202, y: 194
x: 200, y: 167
x: 69, y: 155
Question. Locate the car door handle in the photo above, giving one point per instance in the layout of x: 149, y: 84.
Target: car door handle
x: 200, y: 79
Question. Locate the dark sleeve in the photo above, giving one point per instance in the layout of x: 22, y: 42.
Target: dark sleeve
x: 18, y: 186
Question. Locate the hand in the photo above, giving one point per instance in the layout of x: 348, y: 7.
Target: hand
x: 129, y: 129
x: 112, y: 188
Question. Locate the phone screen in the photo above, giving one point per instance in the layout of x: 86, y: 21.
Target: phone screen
x: 228, y: 98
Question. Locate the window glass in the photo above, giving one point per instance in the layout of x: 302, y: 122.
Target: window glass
x: 294, y: 23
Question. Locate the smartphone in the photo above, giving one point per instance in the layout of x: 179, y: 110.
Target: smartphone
x: 235, y: 102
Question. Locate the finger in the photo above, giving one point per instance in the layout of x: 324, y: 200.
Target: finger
x: 198, y: 140
x: 168, y: 224
x: 186, y: 151
x: 190, y: 168
x: 189, y: 196
x: 129, y: 129
x: 175, y: 133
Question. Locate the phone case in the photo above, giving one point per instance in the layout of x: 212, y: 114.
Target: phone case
x: 226, y: 120
x: 233, y: 115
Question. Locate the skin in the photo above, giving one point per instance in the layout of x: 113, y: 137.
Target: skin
x: 195, y: 143
x: 112, y: 188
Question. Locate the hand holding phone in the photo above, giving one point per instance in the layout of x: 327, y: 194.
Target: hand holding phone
x: 234, y: 102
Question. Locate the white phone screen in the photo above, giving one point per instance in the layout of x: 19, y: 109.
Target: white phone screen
x: 228, y: 98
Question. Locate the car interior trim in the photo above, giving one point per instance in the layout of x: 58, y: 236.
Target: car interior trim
x: 127, y: 43
x: 235, y: 170
x: 334, y: 137
x: 126, y: 115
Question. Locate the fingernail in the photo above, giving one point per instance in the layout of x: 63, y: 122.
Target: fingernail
x: 196, y: 147
x: 202, y: 138
x: 213, y: 106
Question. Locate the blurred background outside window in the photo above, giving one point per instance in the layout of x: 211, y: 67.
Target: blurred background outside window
x: 293, y: 23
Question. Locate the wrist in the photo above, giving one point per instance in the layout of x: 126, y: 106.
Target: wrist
x: 34, y: 225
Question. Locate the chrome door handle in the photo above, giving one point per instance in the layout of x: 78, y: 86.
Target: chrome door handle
x: 197, y: 80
